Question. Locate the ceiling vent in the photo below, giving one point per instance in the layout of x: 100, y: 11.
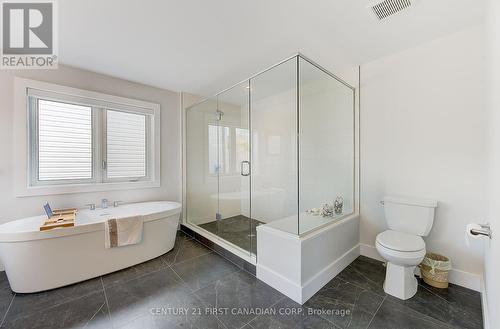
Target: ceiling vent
x: 386, y: 8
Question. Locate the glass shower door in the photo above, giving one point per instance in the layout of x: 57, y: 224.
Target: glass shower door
x: 218, y: 167
x: 235, y: 224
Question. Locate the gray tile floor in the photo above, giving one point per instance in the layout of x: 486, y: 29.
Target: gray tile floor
x: 182, y: 289
x: 239, y: 230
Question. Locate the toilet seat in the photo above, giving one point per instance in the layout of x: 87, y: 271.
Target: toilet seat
x: 400, y: 248
x: 401, y: 257
x: 400, y: 254
x: 400, y: 242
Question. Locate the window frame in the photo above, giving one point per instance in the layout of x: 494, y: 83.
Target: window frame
x: 26, y: 92
x: 33, y: 145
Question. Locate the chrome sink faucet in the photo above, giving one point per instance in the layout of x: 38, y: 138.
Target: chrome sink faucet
x: 104, y: 203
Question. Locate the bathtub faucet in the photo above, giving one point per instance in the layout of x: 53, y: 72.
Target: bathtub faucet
x: 104, y: 203
x: 91, y: 206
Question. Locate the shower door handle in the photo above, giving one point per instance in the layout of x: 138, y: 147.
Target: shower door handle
x: 245, y: 168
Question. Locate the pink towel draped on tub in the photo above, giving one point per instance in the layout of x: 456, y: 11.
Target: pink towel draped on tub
x: 125, y: 231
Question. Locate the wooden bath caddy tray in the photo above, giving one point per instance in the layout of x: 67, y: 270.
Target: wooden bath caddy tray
x: 61, y: 218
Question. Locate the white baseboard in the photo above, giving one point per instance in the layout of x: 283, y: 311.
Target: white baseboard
x: 280, y: 283
x: 465, y: 279
x: 370, y: 252
x: 301, y: 293
x: 318, y: 281
x: 458, y: 277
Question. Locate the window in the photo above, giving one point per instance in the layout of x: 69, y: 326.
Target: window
x: 90, y: 139
x: 64, y: 141
x: 219, y: 149
x: 227, y: 147
x: 126, y: 145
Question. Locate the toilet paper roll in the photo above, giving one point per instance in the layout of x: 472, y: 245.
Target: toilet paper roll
x: 469, y: 235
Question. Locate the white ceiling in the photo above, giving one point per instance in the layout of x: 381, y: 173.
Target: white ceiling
x: 203, y: 46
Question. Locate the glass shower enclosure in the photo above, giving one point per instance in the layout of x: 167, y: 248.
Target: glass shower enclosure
x: 276, y: 149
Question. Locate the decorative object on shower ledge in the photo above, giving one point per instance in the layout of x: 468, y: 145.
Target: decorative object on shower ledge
x: 338, y: 205
x: 327, y: 210
x: 314, y: 211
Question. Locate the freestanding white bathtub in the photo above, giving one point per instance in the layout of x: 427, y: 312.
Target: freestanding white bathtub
x: 36, y: 261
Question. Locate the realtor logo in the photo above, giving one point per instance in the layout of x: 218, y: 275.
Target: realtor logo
x: 28, y: 34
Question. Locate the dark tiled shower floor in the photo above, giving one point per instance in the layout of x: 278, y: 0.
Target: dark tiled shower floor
x: 192, y: 278
x: 239, y: 230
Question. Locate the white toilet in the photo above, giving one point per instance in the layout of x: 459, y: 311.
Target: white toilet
x: 402, y: 245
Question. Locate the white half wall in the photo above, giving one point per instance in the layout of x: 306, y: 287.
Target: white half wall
x: 299, y: 267
x: 13, y: 208
x: 424, y: 132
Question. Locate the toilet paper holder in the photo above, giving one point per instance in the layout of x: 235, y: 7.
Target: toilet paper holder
x: 484, y: 230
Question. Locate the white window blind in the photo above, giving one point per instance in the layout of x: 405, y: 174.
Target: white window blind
x: 213, y: 150
x: 219, y: 149
x: 64, y: 141
x: 126, y: 145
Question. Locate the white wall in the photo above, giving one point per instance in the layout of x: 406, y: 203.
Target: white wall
x: 492, y: 260
x: 326, y: 143
x: 274, y: 153
x: 424, y: 133
x: 13, y: 208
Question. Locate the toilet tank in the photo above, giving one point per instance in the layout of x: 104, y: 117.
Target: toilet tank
x: 409, y: 215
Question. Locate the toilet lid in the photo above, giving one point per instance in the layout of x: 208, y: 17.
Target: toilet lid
x: 400, y: 241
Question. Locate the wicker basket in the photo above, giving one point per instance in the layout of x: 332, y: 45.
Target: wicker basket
x: 439, y: 276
